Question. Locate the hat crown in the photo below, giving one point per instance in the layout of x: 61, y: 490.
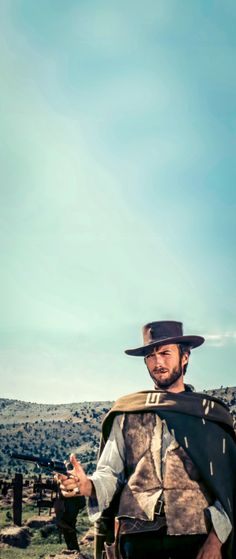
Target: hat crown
x: 156, y: 331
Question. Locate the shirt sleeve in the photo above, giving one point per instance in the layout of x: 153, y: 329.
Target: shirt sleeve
x: 109, y: 474
x: 220, y: 521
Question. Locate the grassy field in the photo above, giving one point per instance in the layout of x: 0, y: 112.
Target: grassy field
x: 34, y: 551
x: 43, y: 541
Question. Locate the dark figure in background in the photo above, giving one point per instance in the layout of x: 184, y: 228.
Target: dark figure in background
x: 66, y: 516
x: 5, y: 488
x: 168, y: 456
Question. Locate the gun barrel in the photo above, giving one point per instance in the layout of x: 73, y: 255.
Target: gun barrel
x: 43, y: 461
x: 27, y: 457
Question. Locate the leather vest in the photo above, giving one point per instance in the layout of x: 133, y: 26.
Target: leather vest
x: 151, y: 475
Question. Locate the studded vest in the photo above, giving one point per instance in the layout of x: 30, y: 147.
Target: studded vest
x: 154, y: 469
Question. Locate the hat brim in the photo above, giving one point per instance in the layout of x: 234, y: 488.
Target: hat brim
x: 191, y: 341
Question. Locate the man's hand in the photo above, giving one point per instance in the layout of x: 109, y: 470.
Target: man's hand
x: 76, y: 483
x: 211, y: 548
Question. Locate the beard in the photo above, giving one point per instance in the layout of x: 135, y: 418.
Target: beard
x: 166, y: 379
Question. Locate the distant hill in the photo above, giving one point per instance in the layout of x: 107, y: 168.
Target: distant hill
x: 57, y: 430
x: 29, y: 412
x: 227, y: 395
x: 51, y: 430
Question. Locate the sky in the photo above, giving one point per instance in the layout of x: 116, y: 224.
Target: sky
x: 118, y: 199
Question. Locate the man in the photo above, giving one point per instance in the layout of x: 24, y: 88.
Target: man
x: 66, y: 511
x: 168, y: 455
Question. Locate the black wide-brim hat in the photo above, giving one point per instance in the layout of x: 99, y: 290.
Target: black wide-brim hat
x: 162, y: 333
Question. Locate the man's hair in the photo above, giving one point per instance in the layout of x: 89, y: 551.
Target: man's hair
x: 183, y: 348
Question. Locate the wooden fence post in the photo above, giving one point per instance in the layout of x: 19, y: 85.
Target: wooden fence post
x: 17, y: 499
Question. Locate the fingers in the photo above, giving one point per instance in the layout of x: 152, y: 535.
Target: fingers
x: 70, y: 486
x: 73, y: 493
x: 68, y: 483
x: 76, y: 482
x: 77, y: 471
x: 73, y: 460
x: 60, y: 478
x: 77, y: 468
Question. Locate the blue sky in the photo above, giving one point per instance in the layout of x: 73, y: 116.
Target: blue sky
x: 118, y: 191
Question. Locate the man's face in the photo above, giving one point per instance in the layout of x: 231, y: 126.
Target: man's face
x: 166, y: 367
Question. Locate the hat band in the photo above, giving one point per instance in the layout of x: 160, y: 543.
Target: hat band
x: 160, y: 338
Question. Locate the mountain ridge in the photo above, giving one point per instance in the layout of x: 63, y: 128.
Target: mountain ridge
x: 56, y: 430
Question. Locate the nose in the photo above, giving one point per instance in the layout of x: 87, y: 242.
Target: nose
x: 158, y: 358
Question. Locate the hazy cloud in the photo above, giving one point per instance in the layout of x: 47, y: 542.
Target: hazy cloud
x: 221, y: 339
